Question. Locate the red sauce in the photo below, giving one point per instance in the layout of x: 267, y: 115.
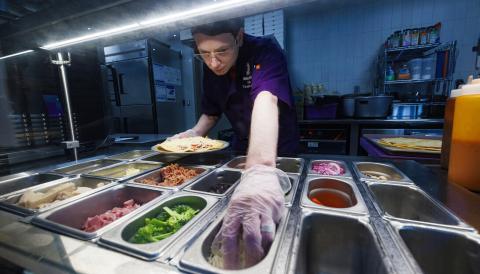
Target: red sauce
x: 330, y: 197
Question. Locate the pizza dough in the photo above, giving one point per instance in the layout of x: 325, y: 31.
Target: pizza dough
x: 191, y: 144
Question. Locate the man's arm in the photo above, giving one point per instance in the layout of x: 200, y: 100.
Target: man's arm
x: 262, y: 148
x: 204, y: 124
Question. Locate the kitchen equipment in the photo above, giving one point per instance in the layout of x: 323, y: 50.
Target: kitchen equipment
x: 380, y: 172
x: 409, y: 204
x: 119, y: 238
x: 415, y: 66
x: 348, y: 106
x: 428, y: 68
x: 17, y: 184
x: 372, y: 106
x: 407, y: 111
x: 144, y: 87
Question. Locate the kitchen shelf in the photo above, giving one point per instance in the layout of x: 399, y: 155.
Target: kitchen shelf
x: 396, y: 82
x: 419, y: 47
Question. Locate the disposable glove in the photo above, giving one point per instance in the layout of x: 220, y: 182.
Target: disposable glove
x: 188, y: 133
x: 255, y: 208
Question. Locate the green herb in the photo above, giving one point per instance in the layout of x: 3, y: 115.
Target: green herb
x: 164, y: 224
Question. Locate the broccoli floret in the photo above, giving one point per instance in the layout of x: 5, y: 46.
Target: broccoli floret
x: 164, y: 225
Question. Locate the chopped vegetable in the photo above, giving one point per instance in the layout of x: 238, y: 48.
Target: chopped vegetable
x: 328, y: 168
x: 169, y: 221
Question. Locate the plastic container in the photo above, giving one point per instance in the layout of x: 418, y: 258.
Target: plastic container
x: 415, y: 66
x: 428, y: 68
x: 463, y: 167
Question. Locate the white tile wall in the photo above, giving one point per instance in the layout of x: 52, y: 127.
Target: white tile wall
x: 339, y: 46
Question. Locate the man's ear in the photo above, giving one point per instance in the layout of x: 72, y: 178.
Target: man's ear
x: 240, y: 37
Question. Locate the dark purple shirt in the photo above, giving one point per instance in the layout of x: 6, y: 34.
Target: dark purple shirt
x: 261, y: 66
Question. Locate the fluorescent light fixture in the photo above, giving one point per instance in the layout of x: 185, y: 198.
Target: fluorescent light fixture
x: 217, y: 7
x: 183, y: 15
x: 16, y: 54
x: 90, y: 37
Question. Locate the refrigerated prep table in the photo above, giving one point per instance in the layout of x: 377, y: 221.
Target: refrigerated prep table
x: 388, y: 217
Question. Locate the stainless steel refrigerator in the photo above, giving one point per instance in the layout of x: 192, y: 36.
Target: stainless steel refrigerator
x: 145, y: 88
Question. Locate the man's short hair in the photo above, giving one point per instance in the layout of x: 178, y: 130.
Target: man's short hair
x: 226, y: 26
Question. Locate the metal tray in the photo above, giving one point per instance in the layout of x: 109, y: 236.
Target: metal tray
x: 201, y: 171
x: 205, y: 159
x: 410, y: 204
x: 227, y: 178
x: 9, y: 202
x: 290, y: 196
x: 341, y: 163
x: 162, y: 158
x: 119, y: 172
x: 344, y: 187
x: 375, y: 138
x: 439, y: 251
x: 13, y: 185
x: 288, y: 165
x: 132, y: 155
x: 392, y: 173
x: 69, y: 219
x: 86, y: 167
x: 331, y: 243
x: 195, y: 258
x: 118, y: 237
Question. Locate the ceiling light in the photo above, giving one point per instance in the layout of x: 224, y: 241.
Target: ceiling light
x: 183, y: 15
x: 16, y: 54
x: 90, y: 37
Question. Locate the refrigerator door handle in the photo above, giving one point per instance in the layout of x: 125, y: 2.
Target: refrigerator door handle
x: 120, y: 83
x: 115, y: 84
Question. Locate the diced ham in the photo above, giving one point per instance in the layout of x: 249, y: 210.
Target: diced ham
x: 99, y: 221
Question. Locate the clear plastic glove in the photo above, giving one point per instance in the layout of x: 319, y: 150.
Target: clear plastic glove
x: 256, y: 207
x: 188, y: 133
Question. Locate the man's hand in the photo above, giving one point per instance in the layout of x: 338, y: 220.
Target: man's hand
x: 256, y: 207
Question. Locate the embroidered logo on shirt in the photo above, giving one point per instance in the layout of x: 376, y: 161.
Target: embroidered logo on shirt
x: 247, y: 78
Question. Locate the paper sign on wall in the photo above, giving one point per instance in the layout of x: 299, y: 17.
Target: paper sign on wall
x: 167, y: 75
x: 165, y: 93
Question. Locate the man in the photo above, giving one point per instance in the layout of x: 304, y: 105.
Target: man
x: 246, y: 78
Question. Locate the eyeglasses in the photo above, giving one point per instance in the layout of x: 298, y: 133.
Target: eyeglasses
x: 220, y: 54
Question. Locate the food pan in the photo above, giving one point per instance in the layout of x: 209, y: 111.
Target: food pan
x: 195, y: 258
x: 379, y: 172
x: 439, y: 251
x: 123, y: 172
x: 86, y: 167
x: 331, y: 243
x: 288, y: 165
x: 155, y: 175
x: 118, y: 238
x: 205, y: 159
x: 132, y: 155
x: 333, y: 193
x: 342, y: 164
x: 162, y: 158
x: 410, y: 204
x: 69, y: 219
x: 15, y: 184
x: 219, y: 183
x: 14, y: 204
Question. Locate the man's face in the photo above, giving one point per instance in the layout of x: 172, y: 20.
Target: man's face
x: 219, y: 52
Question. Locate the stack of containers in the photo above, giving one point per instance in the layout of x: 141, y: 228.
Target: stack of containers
x: 254, y: 25
x: 464, y: 143
x: 273, y: 24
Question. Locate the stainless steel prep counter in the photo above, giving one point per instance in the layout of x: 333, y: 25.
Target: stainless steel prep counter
x: 42, y: 251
